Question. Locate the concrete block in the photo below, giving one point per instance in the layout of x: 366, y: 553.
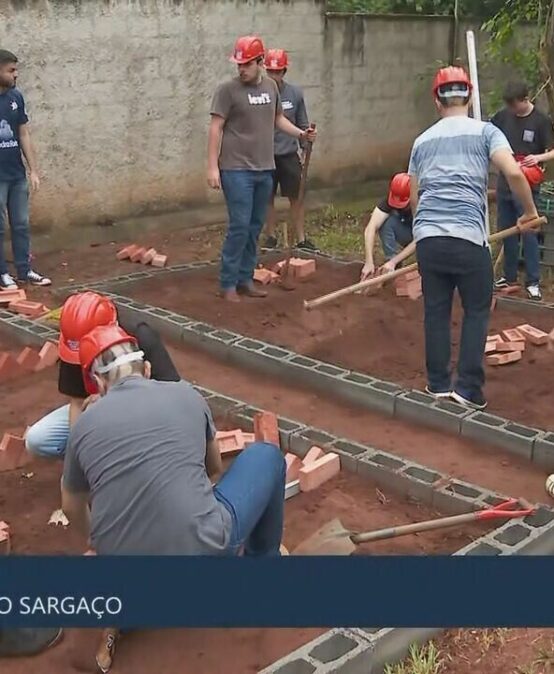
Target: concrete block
x: 481, y: 547
x: 358, y: 378
x: 521, y: 304
x: 221, y: 405
x: 296, y: 666
x: 385, y: 470
x: 542, y: 517
x: 512, y: 437
x: 331, y: 370
x: 350, y: 454
x: 286, y: 428
x: 382, y: 396
x: 300, y: 443
x: 543, y: 450
x: 458, y: 497
x: 333, y: 648
x: 419, y: 483
x: 425, y: 409
x: 512, y: 534
x: 204, y: 392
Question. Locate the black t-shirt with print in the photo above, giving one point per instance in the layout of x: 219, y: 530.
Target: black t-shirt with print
x: 405, y: 214
x: 532, y: 134
x: 70, y: 377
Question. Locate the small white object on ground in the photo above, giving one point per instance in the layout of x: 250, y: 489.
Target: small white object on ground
x: 58, y: 517
x: 550, y: 485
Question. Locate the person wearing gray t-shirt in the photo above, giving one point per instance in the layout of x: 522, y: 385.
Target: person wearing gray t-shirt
x: 145, y: 457
x: 288, y: 168
x: 244, y: 114
x: 449, y: 167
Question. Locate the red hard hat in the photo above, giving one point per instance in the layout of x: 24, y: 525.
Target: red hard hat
x: 276, y: 59
x: 80, y: 314
x: 98, y: 340
x: 247, y: 49
x: 399, y: 191
x: 451, y: 75
x: 534, y: 174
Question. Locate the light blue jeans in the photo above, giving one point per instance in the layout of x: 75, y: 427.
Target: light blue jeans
x: 48, y: 437
x: 14, y: 198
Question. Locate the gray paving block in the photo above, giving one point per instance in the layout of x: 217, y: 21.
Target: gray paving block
x: 333, y: 648
x: 484, y: 549
x: 507, y: 435
x: 245, y: 417
x: 543, y: 516
x: 287, y: 427
x: 385, y: 470
x: 458, y: 497
x: 331, y: 370
x: 221, y: 405
x: 296, y: 666
x: 512, y: 534
x: 423, y: 408
x: 350, y: 453
x: 382, y: 396
x: 543, y: 450
x: 520, y: 304
x: 358, y: 378
x: 420, y: 482
x: 301, y: 442
x: 260, y: 356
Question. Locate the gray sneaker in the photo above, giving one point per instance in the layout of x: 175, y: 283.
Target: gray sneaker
x: 7, y: 282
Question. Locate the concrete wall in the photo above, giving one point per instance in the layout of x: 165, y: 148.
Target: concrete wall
x: 119, y: 92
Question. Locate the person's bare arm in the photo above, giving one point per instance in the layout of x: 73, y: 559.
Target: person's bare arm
x: 75, y: 506
x: 215, y: 132
x: 414, y: 194
x: 375, y: 223
x: 75, y: 409
x: 404, y: 254
x: 214, y: 465
x: 30, y: 155
x: 504, y: 161
x: 283, y: 124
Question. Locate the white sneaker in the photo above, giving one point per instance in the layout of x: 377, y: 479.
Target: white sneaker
x: 7, y: 282
x: 439, y: 395
x: 36, y: 279
x: 534, y: 292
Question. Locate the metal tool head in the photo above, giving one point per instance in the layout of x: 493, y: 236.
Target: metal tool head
x: 330, y: 539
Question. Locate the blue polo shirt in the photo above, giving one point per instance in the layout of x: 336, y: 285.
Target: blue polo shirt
x: 12, y: 117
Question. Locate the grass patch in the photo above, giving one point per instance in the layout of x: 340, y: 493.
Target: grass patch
x: 421, y: 660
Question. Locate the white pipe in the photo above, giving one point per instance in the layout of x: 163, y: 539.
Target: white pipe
x: 476, y: 99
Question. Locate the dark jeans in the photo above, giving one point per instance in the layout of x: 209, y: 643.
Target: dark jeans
x: 447, y: 263
x: 247, y: 195
x: 508, y: 211
x: 394, y: 233
x: 253, y: 491
x: 14, y: 198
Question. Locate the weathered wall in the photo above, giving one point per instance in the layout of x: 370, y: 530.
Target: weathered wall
x: 119, y: 92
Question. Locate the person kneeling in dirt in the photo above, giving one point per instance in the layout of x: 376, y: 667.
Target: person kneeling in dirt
x: 80, y: 314
x: 145, y: 455
x: 392, y: 218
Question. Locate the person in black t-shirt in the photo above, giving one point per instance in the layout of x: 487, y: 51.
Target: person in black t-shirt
x: 392, y: 218
x: 80, y: 314
x: 530, y: 134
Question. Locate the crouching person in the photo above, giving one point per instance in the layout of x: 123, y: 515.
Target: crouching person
x: 80, y: 314
x: 144, y: 456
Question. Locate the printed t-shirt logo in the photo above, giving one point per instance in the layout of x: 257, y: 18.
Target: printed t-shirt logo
x: 261, y: 99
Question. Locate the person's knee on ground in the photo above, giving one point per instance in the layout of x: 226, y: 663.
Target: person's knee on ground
x: 47, y: 437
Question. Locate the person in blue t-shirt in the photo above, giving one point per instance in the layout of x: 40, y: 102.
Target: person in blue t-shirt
x: 448, y: 169
x: 15, y: 139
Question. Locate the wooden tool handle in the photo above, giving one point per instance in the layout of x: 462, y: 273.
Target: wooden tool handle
x: 383, y: 278
x: 304, y: 174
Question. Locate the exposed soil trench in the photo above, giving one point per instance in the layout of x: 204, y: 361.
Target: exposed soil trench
x: 380, y: 335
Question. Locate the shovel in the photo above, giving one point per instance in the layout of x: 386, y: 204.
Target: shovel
x: 333, y: 539
x: 285, y: 283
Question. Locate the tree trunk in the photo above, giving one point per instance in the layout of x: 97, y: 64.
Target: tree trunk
x: 546, y: 56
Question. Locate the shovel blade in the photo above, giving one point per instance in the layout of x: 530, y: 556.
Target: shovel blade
x: 331, y: 539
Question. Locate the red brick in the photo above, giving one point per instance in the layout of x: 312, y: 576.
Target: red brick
x: 510, y: 346
x: 302, y: 269
x: 314, y: 454
x: 504, y: 358
x: 534, y: 335
x: 5, y: 542
x: 12, y: 453
x: 125, y: 253
x: 411, y: 276
x: 278, y: 266
x: 266, y: 428
x: 9, y: 296
x: 249, y: 438
x: 149, y: 256
x: 136, y: 255
x: 28, y: 359
x: 315, y: 474
x: 414, y: 289
x: 513, y: 335
x: 28, y: 308
x: 494, y: 338
x: 293, y: 467
x: 490, y: 347
x: 263, y: 276
x: 159, y: 260
x: 48, y: 356
x: 9, y: 367
x: 510, y: 290
x: 230, y: 442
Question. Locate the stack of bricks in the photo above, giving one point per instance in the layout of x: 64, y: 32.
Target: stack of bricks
x: 265, y: 276
x: 233, y: 442
x: 16, y: 301
x: 408, y: 285
x: 13, y: 454
x: 300, y: 268
x: 136, y: 253
x: 510, y: 345
x: 313, y: 470
x: 27, y: 361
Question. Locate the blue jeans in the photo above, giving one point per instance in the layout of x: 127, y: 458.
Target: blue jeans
x: 48, y: 437
x: 447, y: 263
x: 14, y: 197
x: 253, y: 491
x: 508, y: 211
x: 394, y: 233
x: 247, y: 194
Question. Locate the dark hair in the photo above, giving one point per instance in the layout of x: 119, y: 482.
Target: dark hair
x: 515, y: 91
x: 7, y: 57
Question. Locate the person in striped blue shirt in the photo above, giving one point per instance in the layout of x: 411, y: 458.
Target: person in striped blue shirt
x: 449, y: 167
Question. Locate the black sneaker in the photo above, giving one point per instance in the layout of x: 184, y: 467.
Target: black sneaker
x: 28, y: 641
x: 534, y: 292
x: 35, y: 279
x: 476, y: 402
x: 501, y: 283
x: 307, y: 246
x: 7, y: 282
x: 270, y: 243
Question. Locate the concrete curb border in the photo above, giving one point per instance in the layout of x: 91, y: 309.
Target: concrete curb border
x: 355, y: 387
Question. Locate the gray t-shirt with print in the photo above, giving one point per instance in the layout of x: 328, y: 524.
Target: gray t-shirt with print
x: 249, y: 111
x: 140, y: 451
x: 294, y: 109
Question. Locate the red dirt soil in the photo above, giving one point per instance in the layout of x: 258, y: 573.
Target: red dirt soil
x: 380, y: 335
